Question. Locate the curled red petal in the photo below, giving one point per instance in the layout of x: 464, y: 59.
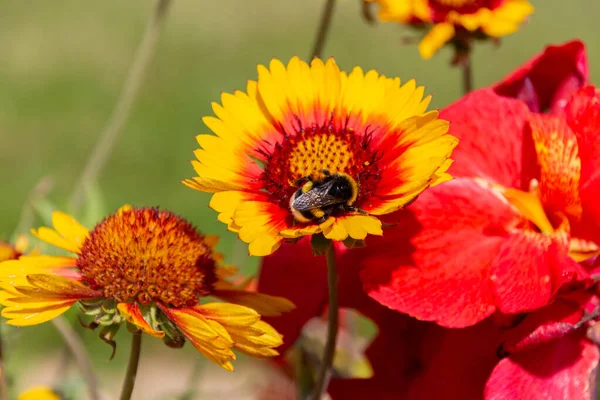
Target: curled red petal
x: 549, y: 323
x: 547, y: 81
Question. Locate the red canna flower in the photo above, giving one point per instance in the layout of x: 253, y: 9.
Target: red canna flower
x: 548, y: 80
x: 502, y: 357
x: 507, y: 234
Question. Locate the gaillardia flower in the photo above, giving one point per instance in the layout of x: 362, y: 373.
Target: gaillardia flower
x: 150, y: 268
x: 456, y: 19
x: 311, y: 149
x: 39, y: 393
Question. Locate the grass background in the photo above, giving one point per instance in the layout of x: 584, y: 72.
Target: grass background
x: 62, y: 64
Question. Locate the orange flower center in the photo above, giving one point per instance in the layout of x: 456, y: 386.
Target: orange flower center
x: 308, y: 153
x: 148, y: 255
x: 463, y: 6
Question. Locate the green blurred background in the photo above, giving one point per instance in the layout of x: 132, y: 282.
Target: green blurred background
x: 63, y: 63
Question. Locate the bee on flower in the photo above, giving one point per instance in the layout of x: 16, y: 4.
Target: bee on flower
x: 455, y: 21
x: 147, y: 267
x: 310, y: 149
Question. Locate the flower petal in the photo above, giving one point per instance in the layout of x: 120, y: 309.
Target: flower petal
x: 560, y: 166
x: 438, y: 36
x: 549, y: 79
x: 35, y: 313
x: 435, y: 264
x: 562, y: 369
x: 471, y: 119
x: 133, y: 315
x: 69, y: 228
x: 209, y: 341
x: 263, y: 304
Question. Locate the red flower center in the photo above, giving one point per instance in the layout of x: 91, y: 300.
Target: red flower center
x: 308, y: 152
x: 463, y: 6
x: 148, y: 255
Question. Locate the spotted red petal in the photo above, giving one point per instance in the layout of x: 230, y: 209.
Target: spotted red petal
x: 436, y: 264
x: 583, y: 116
x: 547, y: 81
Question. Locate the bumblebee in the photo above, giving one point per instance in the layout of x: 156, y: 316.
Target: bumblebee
x: 316, y: 200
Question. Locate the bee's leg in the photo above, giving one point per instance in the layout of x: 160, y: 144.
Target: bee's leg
x: 355, y: 209
x: 303, y: 180
x: 326, y: 172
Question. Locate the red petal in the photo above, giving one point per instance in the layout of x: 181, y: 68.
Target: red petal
x: 562, y: 369
x: 490, y: 132
x: 529, y: 268
x: 549, y: 323
x: 549, y: 79
x: 583, y: 115
x: 435, y: 265
x: 560, y: 165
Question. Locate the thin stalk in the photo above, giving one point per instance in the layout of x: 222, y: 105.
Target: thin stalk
x: 332, y: 325
x: 323, y: 29
x: 132, y: 367
x: 80, y: 353
x: 114, y: 125
x: 467, y: 73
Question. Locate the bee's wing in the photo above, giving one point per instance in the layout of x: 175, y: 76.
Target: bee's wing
x: 316, y: 198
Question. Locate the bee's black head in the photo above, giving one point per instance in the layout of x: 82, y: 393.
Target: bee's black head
x: 341, y: 188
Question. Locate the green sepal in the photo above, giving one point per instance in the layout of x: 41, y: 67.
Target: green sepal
x: 352, y: 243
x: 107, y: 334
x: 320, y: 244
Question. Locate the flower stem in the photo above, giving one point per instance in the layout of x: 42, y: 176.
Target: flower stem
x: 332, y: 325
x: 132, y: 367
x: 81, y: 355
x: 467, y: 73
x: 323, y: 29
x: 121, y: 110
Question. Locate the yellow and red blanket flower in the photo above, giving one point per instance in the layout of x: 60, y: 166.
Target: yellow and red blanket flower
x: 507, y: 234
x: 347, y: 147
x: 150, y: 268
x: 548, y: 80
x: 501, y: 357
x: 453, y: 19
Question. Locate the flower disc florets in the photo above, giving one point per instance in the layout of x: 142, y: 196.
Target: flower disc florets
x: 148, y: 255
x: 316, y: 149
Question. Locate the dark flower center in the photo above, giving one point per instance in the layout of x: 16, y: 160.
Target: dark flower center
x: 308, y: 152
x: 148, y: 255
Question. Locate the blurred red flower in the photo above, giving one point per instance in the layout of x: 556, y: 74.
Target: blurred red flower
x: 548, y: 80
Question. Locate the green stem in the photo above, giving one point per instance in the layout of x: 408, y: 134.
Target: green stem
x: 323, y: 29
x: 81, y: 355
x: 132, y: 367
x: 467, y: 73
x: 120, y: 113
x: 332, y: 325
